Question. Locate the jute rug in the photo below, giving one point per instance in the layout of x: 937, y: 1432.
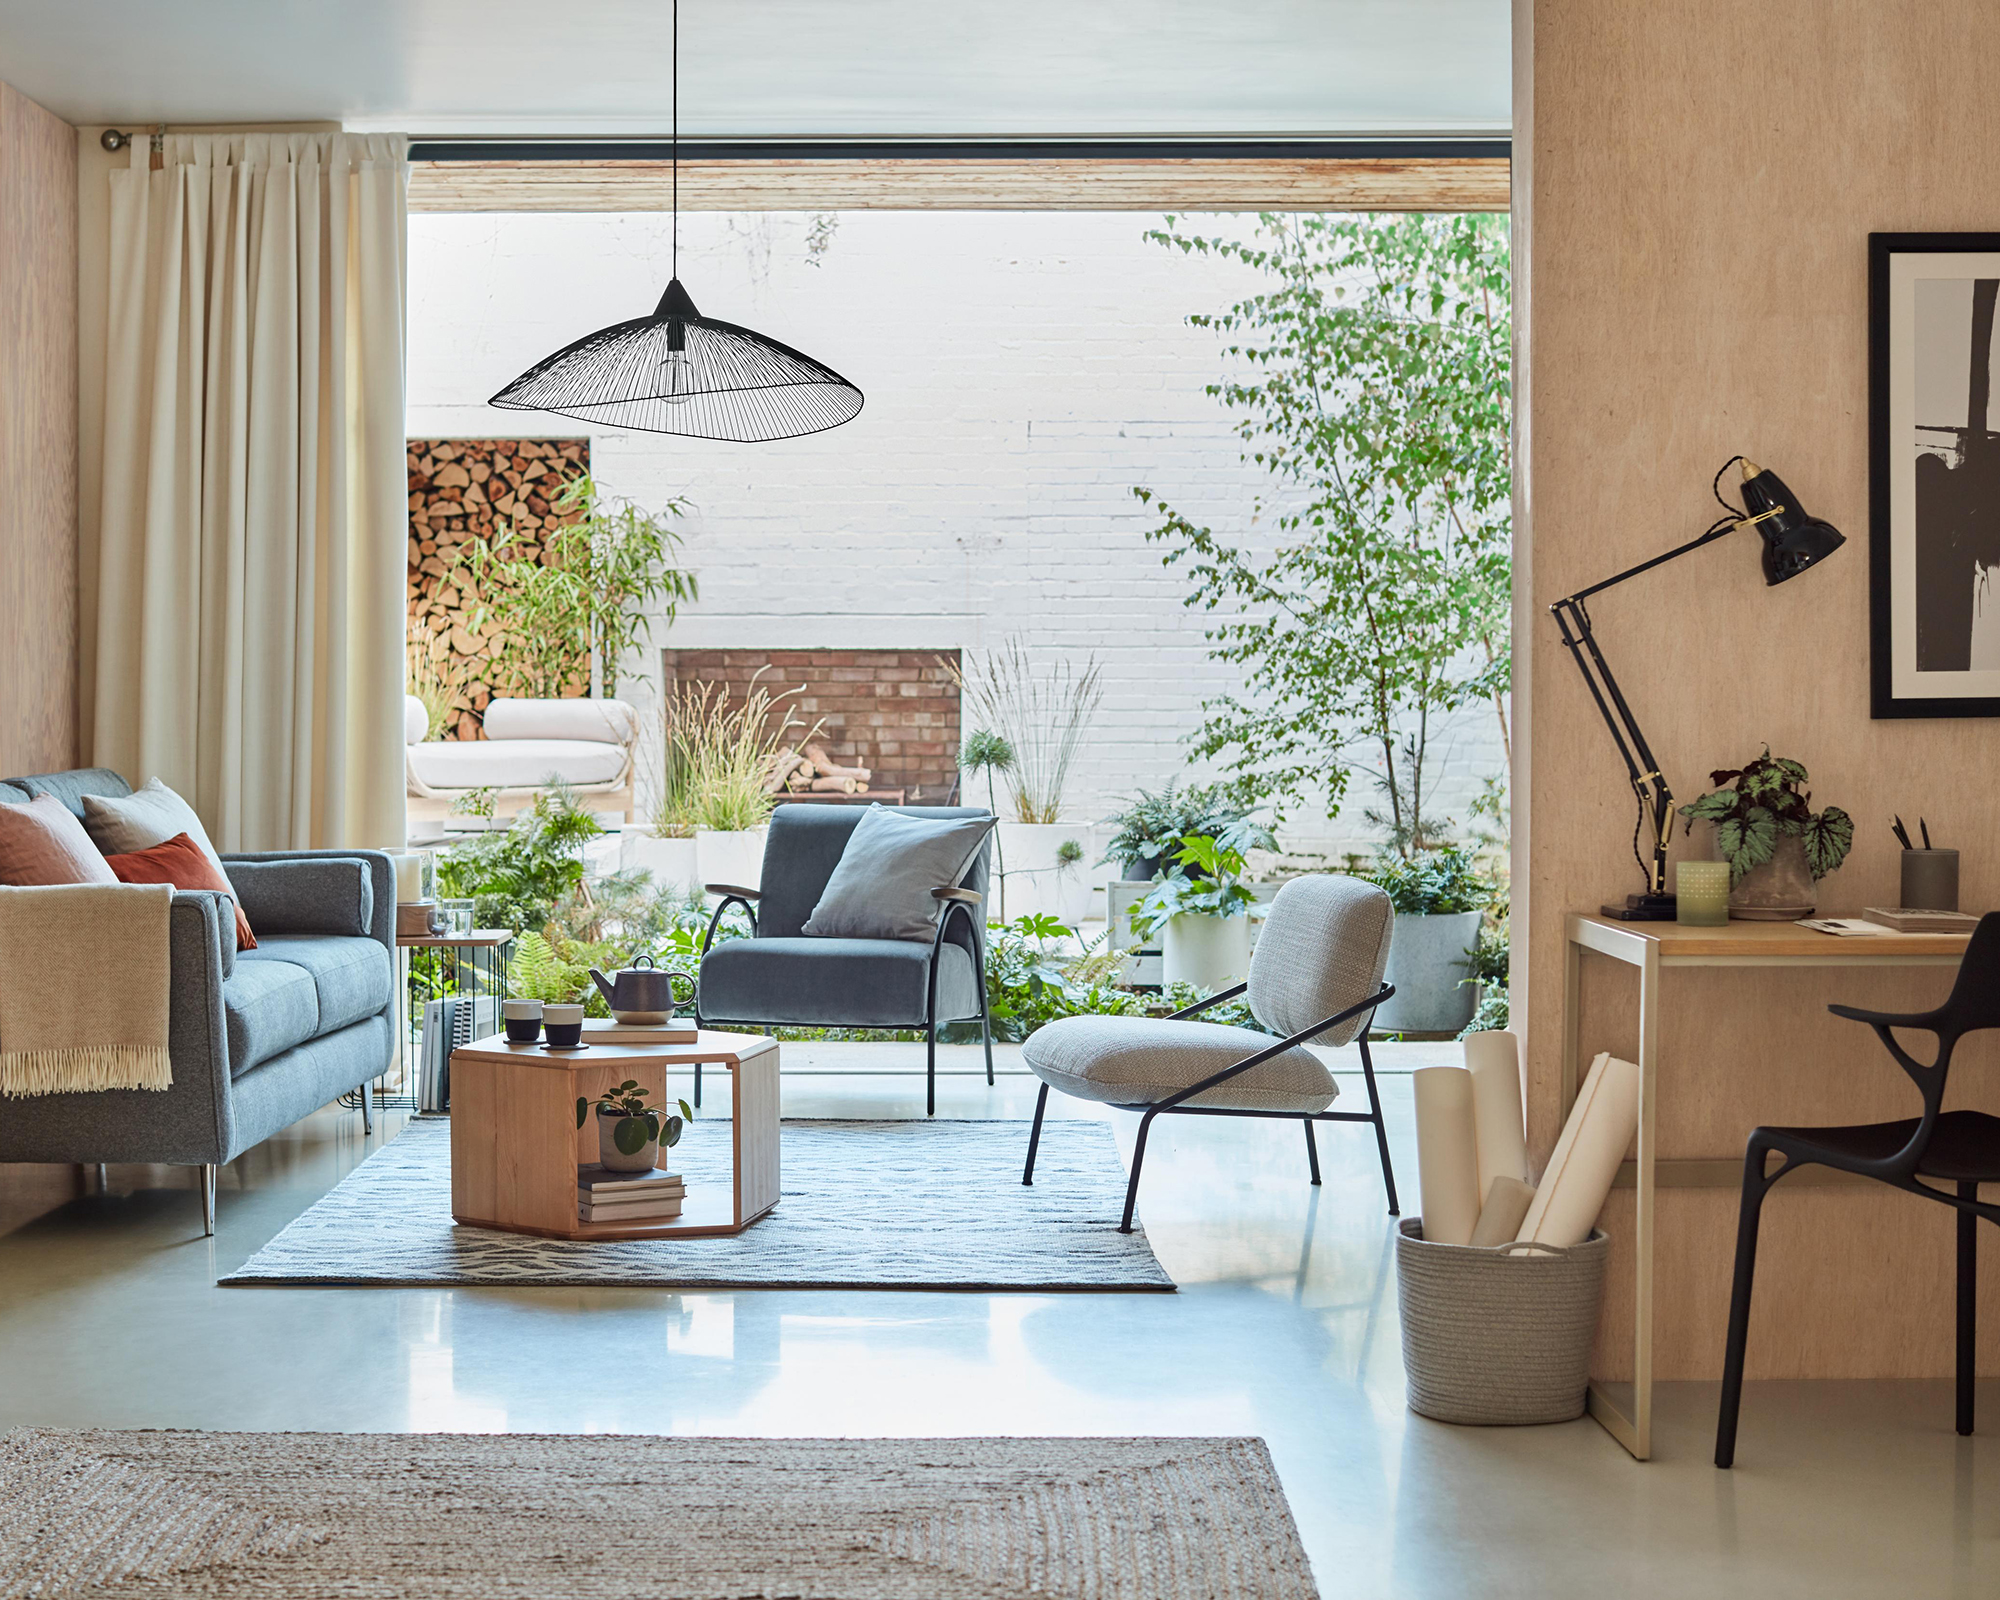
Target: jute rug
x: 866, y: 1205
x: 299, y: 1516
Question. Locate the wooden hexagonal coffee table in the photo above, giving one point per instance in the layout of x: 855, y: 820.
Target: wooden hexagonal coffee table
x: 515, y: 1145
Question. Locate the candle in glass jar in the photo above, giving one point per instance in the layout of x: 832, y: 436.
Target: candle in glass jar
x: 1701, y: 893
x: 409, y: 878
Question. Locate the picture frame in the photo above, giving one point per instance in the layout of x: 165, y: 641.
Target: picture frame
x: 1934, y: 475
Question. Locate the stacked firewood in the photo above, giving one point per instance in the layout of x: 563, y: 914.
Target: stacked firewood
x: 813, y: 771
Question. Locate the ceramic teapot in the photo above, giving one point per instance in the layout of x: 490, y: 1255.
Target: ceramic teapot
x: 642, y: 993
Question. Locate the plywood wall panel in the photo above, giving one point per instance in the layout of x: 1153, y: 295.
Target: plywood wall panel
x: 38, y: 423
x: 1699, y: 183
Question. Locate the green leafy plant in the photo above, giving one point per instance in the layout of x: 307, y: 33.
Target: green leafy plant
x: 1154, y: 822
x: 1206, y: 880
x: 582, y: 598
x: 720, y: 754
x: 637, y: 1123
x: 1768, y: 801
x: 1040, y: 712
x: 516, y: 876
x: 1440, y: 881
x: 539, y: 971
x: 989, y: 752
x: 1371, y: 382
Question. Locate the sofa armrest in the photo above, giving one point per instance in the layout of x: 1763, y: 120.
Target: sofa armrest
x: 318, y: 891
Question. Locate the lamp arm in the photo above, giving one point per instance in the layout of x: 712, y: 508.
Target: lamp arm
x: 1720, y: 530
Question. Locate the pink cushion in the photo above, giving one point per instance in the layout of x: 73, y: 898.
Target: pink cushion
x: 42, y: 843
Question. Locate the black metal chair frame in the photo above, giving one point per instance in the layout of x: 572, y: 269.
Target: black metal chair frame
x: 958, y: 902
x: 1176, y: 1103
x: 1973, y: 1005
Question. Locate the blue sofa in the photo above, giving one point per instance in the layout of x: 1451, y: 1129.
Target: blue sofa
x: 258, y: 1038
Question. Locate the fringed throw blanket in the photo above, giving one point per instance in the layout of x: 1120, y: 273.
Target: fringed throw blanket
x: 83, y: 988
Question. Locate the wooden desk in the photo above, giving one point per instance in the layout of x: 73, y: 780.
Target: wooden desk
x: 1653, y: 947
x: 515, y: 1145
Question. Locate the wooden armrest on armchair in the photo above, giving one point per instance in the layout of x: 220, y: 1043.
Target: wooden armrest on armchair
x: 968, y: 897
x: 732, y: 889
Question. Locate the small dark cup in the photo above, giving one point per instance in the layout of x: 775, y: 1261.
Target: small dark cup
x: 526, y: 1030
x: 563, y: 1035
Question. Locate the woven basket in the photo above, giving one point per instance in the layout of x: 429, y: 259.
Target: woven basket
x: 1498, y: 1336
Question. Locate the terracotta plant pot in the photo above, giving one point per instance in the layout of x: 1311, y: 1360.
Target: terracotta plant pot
x: 1781, y: 890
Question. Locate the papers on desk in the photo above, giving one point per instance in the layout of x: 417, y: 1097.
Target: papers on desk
x: 1849, y: 926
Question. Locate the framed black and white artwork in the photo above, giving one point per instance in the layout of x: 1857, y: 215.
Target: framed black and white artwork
x: 1934, y: 474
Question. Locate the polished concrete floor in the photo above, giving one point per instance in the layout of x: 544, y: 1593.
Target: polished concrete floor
x: 1285, y: 1327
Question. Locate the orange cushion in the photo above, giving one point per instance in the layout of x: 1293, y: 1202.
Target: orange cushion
x: 181, y: 862
x: 42, y: 843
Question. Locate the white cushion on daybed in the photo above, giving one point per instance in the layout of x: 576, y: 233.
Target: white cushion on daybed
x: 416, y: 720
x: 515, y: 763
x: 596, y: 721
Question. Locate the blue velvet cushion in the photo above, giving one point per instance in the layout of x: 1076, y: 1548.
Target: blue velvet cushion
x: 267, y: 1006
x: 352, y: 977
x: 882, y: 887
x: 853, y: 983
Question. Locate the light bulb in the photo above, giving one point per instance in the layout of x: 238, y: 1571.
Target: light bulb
x: 676, y: 378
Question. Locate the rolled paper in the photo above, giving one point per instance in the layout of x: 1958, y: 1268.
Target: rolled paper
x: 1447, y: 1153
x: 1505, y: 1210
x: 1586, y: 1158
x: 1494, y: 1060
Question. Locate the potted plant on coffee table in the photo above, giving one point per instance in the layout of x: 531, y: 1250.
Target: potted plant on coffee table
x: 1440, y: 898
x: 1777, y: 846
x: 630, y: 1133
x: 1201, y: 909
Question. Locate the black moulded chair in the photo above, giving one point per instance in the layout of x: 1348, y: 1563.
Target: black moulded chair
x: 1956, y: 1148
x: 783, y: 977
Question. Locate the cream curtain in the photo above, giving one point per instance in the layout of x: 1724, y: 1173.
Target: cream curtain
x: 250, y: 602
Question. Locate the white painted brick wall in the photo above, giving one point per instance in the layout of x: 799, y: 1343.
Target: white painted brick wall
x: 1023, y: 372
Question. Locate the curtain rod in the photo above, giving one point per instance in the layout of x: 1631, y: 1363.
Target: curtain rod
x: 1329, y: 149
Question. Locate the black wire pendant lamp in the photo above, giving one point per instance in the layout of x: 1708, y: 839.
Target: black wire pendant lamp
x: 677, y: 371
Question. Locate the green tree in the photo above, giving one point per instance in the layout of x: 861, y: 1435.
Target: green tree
x: 583, y: 597
x: 1371, y: 383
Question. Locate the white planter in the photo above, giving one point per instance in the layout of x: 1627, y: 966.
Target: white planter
x: 1208, y: 952
x: 734, y: 857
x: 1036, y: 884
x: 1428, y: 965
x: 670, y: 860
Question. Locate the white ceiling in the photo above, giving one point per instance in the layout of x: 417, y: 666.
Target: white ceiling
x: 773, y: 67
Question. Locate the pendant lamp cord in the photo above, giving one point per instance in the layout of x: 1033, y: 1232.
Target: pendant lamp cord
x: 677, y: 136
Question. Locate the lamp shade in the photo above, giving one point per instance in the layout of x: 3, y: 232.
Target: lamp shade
x: 680, y: 372
x: 1793, y: 541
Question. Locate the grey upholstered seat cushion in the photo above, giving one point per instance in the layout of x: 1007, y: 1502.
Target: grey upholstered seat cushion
x: 855, y: 983
x: 1324, y: 947
x: 352, y: 977
x: 267, y: 1006
x: 1129, y: 1061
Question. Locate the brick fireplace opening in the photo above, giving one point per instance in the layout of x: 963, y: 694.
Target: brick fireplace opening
x: 892, y: 711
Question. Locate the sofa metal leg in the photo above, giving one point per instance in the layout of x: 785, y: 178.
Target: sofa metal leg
x: 367, y: 1107
x: 208, y: 1200
x: 1312, y: 1148
x: 103, y: 1177
x: 1035, y: 1136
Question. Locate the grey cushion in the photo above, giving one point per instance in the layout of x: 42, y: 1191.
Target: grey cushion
x: 352, y: 976
x: 855, y: 983
x: 11, y: 796
x: 882, y: 887
x: 307, y: 894
x: 1130, y: 1061
x: 71, y: 787
x: 301, y: 1080
x: 142, y: 818
x: 803, y: 847
x: 1324, y: 947
x: 268, y: 1006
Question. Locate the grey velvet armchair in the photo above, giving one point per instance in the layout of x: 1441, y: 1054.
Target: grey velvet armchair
x: 783, y: 977
x: 257, y: 1038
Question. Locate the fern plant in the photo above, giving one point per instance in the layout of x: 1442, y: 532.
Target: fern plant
x: 1769, y: 802
x: 539, y: 971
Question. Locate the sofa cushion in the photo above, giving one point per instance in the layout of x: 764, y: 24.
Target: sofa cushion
x: 353, y: 978
x: 855, y: 983
x: 306, y: 894
x: 591, y: 721
x: 267, y: 1006
x: 1130, y: 1061
x: 515, y: 763
x: 70, y: 787
x: 882, y: 887
x: 183, y: 863
x: 43, y: 845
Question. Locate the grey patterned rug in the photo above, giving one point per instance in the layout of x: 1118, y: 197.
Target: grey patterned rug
x: 866, y: 1205
x: 299, y: 1516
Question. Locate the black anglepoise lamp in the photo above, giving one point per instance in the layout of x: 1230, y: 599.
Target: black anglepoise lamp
x: 1793, y: 541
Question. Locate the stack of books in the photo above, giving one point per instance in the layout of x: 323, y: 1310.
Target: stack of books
x: 606, y: 1196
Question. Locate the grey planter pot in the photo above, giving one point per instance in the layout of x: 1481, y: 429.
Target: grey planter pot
x: 1428, y: 964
